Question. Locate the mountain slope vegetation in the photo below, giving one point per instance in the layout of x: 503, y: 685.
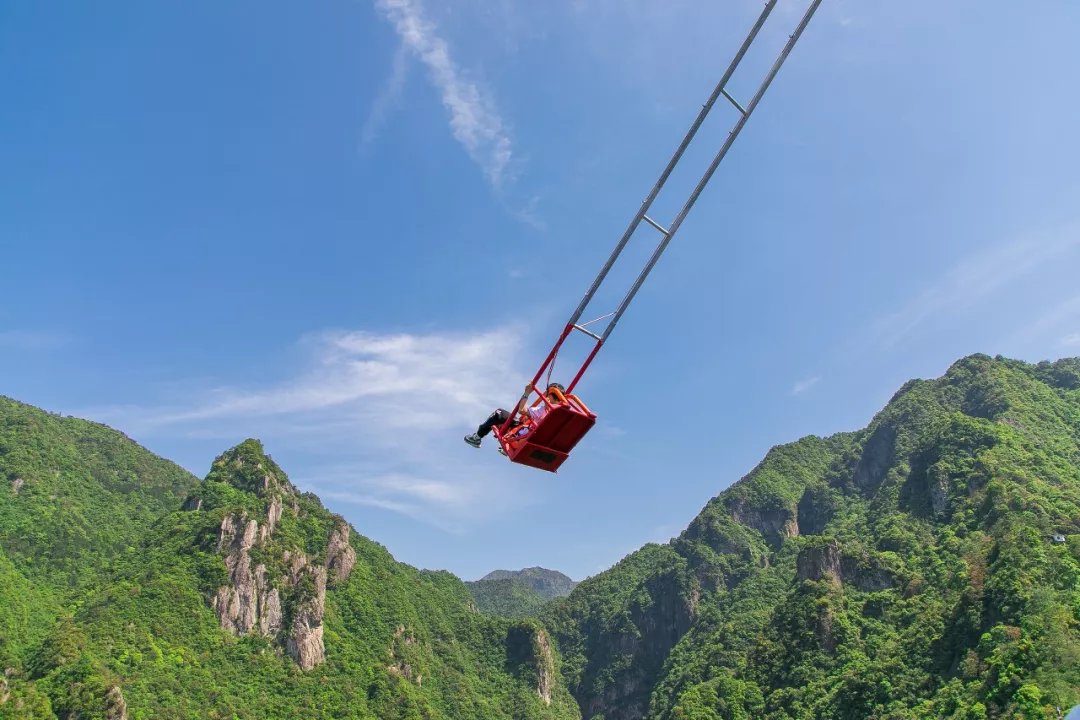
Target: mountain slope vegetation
x: 130, y: 589
x: 927, y: 566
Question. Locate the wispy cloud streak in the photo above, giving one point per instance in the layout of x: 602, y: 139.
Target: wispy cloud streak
x: 972, y: 281
x: 399, y: 377
x: 803, y: 385
x: 474, y: 119
x: 383, y: 411
x: 387, y: 99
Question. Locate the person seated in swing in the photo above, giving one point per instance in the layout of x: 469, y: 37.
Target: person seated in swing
x: 555, y: 394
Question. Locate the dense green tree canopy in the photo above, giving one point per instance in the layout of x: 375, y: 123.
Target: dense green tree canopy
x: 927, y: 566
x: 110, y: 560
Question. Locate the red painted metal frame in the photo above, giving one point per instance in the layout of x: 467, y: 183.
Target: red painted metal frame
x: 546, y: 443
x: 549, y: 442
x: 505, y: 427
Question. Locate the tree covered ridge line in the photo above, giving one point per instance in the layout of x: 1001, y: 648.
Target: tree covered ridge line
x: 927, y: 566
x: 519, y: 593
x: 911, y: 569
x: 182, y: 598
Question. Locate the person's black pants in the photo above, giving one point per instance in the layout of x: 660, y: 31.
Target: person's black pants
x: 496, y: 418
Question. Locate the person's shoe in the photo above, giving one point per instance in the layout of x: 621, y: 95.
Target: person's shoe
x: 473, y: 440
x: 503, y: 451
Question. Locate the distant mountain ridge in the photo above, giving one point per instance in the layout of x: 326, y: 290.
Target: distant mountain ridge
x: 548, y: 583
x: 519, y: 593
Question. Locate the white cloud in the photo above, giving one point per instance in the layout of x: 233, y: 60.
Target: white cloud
x: 452, y: 503
x: 383, y: 414
x: 805, y: 384
x: 387, y: 99
x: 414, y: 382
x: 474, y: 119
x: 972, y: 281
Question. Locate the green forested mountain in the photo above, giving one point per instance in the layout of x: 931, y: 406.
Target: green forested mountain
x: 519, y: 593
x: 129, y: 589
x: 927, y: 566
x: 74, y: 496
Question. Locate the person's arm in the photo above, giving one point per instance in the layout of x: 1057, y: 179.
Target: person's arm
x: 524, y: 404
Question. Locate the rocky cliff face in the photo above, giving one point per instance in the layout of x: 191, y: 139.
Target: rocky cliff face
x: 819, y: 562
x: 248, y: 600
x: 340, y: 556
x: 774, y: 524
x: 529, y: 654
x: 305, y: 640
x: 877, y: 457
x: 616, y: 629
x: 659, y: 618
x: 545, y: 666
x: 286, y: 582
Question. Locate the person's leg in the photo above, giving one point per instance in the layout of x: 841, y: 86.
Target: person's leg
x: 496, y: 418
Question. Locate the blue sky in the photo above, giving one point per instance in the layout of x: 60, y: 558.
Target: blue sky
x: 352, y: 228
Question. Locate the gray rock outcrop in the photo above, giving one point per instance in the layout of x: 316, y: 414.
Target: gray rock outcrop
x: 816, y: 508
x: 774, y: 525
x: 116, y: 706
x: 545, y: 667
x: 855, y: 567
x: 274, y: 588
x: 304, y: 643
x: 253, y: 601
x: 938, y: 483
x: 237, y: 603
x: 820, y: 562
x: 340, y: 556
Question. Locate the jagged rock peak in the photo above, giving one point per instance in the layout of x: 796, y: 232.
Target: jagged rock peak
x: 248, y: 467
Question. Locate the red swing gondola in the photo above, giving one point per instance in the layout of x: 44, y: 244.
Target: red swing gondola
x: 547, y: 442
